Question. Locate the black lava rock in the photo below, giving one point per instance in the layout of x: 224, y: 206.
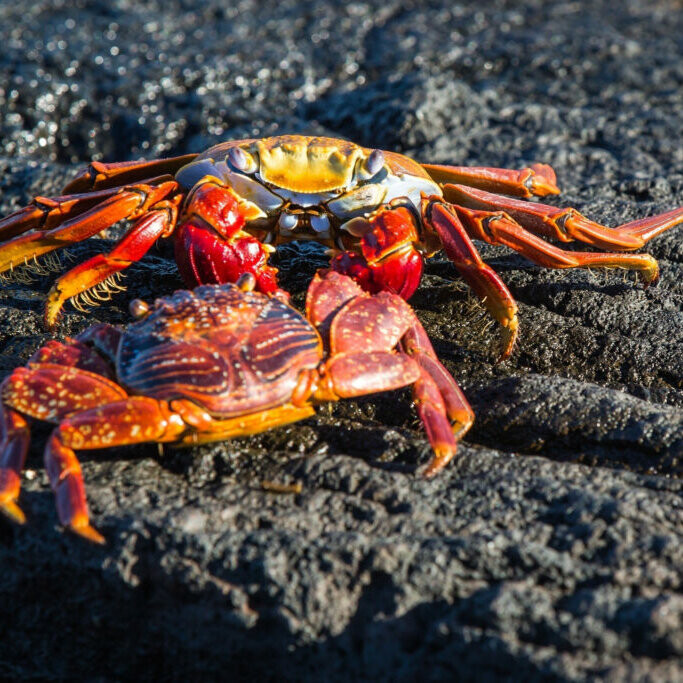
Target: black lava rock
x: 552, y: 548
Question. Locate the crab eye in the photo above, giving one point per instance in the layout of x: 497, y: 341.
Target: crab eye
x: 288, y: 221
x: 241, y: 160
x: 374, y: 162
x: 138, y: 308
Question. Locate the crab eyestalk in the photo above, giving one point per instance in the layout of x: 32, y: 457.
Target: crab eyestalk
x: 241, y: 160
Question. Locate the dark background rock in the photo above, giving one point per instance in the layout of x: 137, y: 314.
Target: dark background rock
x: 552, y: 548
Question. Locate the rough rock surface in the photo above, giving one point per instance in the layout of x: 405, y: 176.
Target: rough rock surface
x: 553, y: 548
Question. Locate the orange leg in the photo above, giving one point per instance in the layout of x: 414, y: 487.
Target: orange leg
x: 129, y: 202
x: 92, y: 279
x: 566, y: 225
x: 441, y: 218
x: 440, y: 402
x: 98, y: 175
x: 538, y: 179
x: 379, y: 324
x: 14, y: 442
x: 46, y: 391
x: 348, y: 375
x: 499, y: 228
x: 135, y: 420
x: 48, y: 212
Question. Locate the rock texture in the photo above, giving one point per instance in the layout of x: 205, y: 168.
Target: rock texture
x: 553, y: 547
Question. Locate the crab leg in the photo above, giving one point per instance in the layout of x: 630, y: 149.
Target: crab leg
x: 14, y: 432
x: 498, y: 228
x: 48, y: 212
x: 566, y: 225
x: 137, y: 419
x: 159, y: 222
x: 14, y: 442
x: 440, y: 403
x: 416, y: 344
x: 538, y: 179
x: 486, y: 283
x: 129, y: 202
x: 99, y: 175
x: 46, y: 391
x: 378, y: 324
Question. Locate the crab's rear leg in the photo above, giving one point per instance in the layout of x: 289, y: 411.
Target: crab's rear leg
x: 98, y: 175
x: 14, y: 441
x: 45, y: 213
x: 439, y: 400
x: 566, y: 225
x: 378, y: 325
x: 496, y: 227
x: 537, y: 180
x: 83, y: 280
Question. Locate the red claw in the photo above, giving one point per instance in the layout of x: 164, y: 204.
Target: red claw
x: 389, y: 260
x: 204, y: 257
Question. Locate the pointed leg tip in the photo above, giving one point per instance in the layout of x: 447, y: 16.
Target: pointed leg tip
x: 509, y: 338
x: 544, y: 181
x: 12, y: 511
x: 443, y: 454
x: 88, y: 532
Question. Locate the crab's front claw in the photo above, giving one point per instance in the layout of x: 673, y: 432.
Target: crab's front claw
x: 210, y: 245
x: 206, y: 258
x: 388, y: 260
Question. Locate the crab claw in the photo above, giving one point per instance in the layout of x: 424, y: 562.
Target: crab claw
x: 388, y: 260
x: 204, y: 257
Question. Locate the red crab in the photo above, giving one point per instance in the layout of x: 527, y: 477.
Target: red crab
x: 380, y: 212
x: 218, y: 362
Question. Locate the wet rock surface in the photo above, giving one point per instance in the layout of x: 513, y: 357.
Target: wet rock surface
x: 552, y: 548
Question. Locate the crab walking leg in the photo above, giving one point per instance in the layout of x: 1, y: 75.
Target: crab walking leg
x: 440, y: 403
x: 99, y: 175
x: 14, y: 442
x: 135, y: 420
x: 498, y: 228
x: 48, y: 212
x: 538, y: 180
x: 485, y: 282
x: 47, y: 392
x: 417, y: 345
x: 566, y: 225
x: 349, y: 375
x: 130, y: 202
x: 378, y: 324
x: 159, y: 222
